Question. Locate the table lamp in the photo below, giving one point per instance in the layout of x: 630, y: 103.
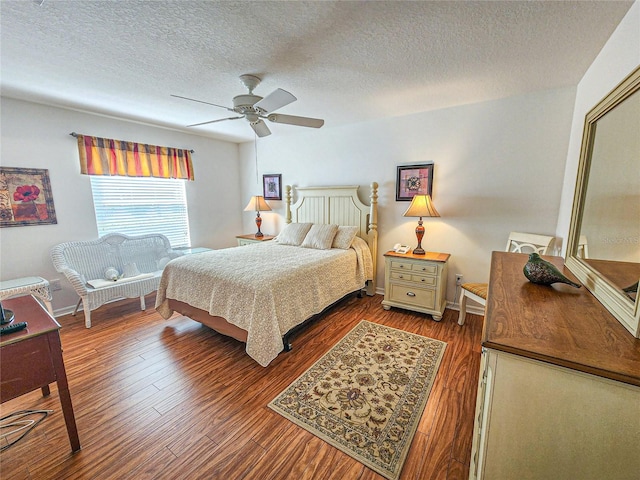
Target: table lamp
x: 6, y: 316
x: 258, y: 204
x: 421, y: 206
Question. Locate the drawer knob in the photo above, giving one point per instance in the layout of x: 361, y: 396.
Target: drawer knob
x: 400, y: 276
x: 422, y: 280
x: 411, y: 294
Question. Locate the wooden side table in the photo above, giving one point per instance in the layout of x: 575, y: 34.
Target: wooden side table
x: 32, y: 359
x: 416, y: 282
x: 35, y: 286
x: 251, y: 238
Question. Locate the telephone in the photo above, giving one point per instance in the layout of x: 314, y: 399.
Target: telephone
x: 399, y: 248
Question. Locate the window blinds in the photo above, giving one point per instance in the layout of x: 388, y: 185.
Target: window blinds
x: 141, y: 205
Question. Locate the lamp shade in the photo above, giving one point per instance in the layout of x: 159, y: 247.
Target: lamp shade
x: 421, y: 206
x: 257, y: 204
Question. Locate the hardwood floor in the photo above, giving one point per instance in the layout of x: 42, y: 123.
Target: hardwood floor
x: 169, y: 399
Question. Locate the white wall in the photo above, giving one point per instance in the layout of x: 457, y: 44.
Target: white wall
x: 498, y: 167
x: 37, y: 136
x: 503, y: 165
x: 619, y: 57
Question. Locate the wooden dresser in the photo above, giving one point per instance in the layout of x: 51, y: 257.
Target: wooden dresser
x: 559, y: 390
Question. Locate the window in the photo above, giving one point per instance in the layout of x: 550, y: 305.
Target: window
x: 141, y: 205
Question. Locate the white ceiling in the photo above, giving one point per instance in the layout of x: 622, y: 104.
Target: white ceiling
x: 346, y: 62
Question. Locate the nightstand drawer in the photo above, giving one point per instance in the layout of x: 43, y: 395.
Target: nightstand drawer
x: 396, y: 264
x: 408, y: 277
x: 421, y: 297
x: 427, y: 268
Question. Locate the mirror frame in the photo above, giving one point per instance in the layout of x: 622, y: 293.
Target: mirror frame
x: 619, y: 305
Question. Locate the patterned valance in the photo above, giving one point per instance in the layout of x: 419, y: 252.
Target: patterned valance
x: 104, y: 156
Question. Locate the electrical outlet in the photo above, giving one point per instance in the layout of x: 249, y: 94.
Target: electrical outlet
x: 55, y: 285
x: 458, y: 279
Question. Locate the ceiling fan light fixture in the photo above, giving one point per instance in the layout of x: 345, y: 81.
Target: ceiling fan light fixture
x: 250, y: 81
x: 245, y: 101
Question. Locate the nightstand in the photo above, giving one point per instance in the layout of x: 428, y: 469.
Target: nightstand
x: 416, y: 282
x: 251, y: 238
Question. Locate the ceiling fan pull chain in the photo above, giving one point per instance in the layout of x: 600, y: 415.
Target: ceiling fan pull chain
x: 255, y: 144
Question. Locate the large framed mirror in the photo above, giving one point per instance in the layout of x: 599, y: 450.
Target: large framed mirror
x: 603, y: 248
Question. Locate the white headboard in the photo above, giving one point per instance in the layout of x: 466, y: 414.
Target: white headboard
x: 339, y: 205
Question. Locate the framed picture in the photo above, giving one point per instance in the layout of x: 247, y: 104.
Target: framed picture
x: 272, y: 186
x: 414, y: 180
x: 25, y: 197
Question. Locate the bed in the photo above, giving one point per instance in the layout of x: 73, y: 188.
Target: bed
x: 261, y: 293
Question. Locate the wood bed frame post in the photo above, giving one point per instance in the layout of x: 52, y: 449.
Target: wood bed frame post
x: 287, y: 189
x: 373, y: 235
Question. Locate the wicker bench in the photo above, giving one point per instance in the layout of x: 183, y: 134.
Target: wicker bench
x: 90, y: 266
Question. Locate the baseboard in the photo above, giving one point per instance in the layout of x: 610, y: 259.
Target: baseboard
x: 473, y: 309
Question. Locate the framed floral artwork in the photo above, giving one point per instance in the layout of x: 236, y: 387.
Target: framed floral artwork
x: 25, y: 197
x: 414, y: 180
x: 272, y: 186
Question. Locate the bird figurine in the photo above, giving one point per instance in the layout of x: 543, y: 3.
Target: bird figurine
x: 631, y: 288
x: 542, y: 272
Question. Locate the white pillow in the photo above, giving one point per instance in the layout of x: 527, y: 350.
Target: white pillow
x: 293, y: 234
x: 163, y: 262
x: 130, y: 270
x: 112, y: 273
x: 344, y: 237
x: 320, y: 236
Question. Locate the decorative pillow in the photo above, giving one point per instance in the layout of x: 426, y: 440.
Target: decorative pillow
x: 130, y: 270
x: 293, y: 234
x: 320, y: 236
x: 163, y: 262
x: 111, y: 273
x: 344, y: 237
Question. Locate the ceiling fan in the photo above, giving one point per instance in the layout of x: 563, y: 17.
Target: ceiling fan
x: 254, y: 108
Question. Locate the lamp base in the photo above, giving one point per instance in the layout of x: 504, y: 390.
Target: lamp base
x: 419, y: 234
x: 258, y: 223
x: 7, y: 316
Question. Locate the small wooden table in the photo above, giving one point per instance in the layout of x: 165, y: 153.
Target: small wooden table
x: 251, y: 238
x: 416, y: 282
x: 32, y: 359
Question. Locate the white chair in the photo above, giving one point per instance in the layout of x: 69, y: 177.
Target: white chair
x: 517, y: 243
x: 583, y: 247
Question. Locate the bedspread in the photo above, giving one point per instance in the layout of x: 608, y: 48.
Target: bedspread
x: 264, y: 288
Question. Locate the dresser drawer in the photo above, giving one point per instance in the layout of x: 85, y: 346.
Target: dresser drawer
x: 409, y: 277
x: 421, y: 267
x: 420, y: 297
x: 426, y: 268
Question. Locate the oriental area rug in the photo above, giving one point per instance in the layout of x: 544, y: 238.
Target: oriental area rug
x: 367, y: 394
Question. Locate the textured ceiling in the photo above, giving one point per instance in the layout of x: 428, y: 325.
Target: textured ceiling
x: 346, y: 62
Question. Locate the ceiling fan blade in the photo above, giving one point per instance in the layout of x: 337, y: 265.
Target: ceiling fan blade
x: 260, y: 128
x: 293, y: 120
x: 275, y: 100
x: 201, y: 101
x: 213, y: 121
